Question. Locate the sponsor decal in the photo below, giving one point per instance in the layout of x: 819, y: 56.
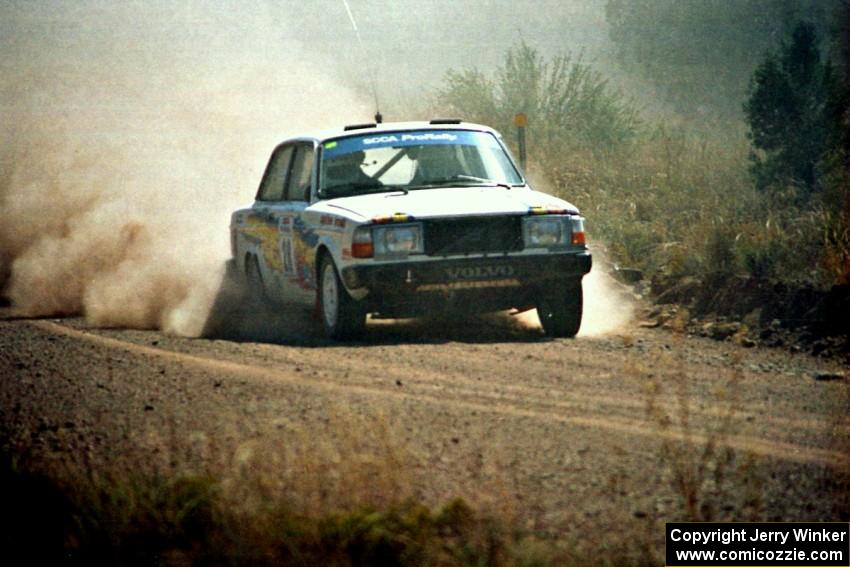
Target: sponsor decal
x: 304, y: 242
x: 285, y: 225
x: 416, y: 137
x: 469, y: 285
x: 331, y: 223
x: 286, y: 252
x: 266, y: 235
x: 342, y: 146
x: 479, y: 272
x: 380, y: 140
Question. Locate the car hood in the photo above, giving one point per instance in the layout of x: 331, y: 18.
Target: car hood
x: 450, y: 202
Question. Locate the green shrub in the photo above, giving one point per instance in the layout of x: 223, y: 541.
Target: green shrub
x: 569, y: 105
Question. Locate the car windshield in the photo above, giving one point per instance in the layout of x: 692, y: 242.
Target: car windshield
x: 416, y: 159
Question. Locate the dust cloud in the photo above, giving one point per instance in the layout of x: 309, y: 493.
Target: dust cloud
x: 130, y: 133
x: 608, y: 306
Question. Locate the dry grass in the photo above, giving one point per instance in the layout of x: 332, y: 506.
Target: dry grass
x: 709, y: 478
x: 682, y: 203
x: 295, y: 498
x: 838, y: 481
x: 352, y: 492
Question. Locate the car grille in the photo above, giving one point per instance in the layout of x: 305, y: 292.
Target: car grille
x: 477, y: 235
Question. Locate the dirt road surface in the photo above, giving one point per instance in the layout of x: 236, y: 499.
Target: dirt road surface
x: 577, y: 436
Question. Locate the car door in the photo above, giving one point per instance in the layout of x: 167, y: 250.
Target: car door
x: 298, y: 236
x: 262, y: 230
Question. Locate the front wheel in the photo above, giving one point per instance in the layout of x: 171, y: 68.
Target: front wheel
x: 342, y: 316
x: 560, y: 310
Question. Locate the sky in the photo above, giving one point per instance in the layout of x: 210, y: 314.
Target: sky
x: 140, y: 54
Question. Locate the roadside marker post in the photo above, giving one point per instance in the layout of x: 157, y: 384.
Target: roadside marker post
x: 521, y: 121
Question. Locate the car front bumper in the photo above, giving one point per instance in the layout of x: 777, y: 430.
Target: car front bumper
x: 476, y: 284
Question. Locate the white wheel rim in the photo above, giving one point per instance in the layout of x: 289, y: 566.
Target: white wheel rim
x: 330, y: 299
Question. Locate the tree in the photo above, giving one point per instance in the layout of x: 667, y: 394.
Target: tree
x: 793, y: 112
x: 696, y: 56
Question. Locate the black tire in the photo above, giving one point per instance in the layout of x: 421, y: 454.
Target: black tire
x: 254, y: 280
x: 560, y: 310
x: 342, y: 316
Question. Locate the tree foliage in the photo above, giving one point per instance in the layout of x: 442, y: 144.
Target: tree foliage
x: 568, y: 103
x: 794, y: 114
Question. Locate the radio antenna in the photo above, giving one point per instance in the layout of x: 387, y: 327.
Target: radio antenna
x: 378, y: 117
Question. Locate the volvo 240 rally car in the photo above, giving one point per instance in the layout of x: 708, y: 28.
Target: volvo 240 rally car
x: 406, y: 219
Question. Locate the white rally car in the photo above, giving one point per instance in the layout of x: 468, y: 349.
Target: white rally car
x: 406, y: 219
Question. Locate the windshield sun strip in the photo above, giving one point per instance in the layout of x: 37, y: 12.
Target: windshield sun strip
x: 499, y: 141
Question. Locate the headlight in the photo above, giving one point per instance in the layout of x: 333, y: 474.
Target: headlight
x: 393, y: 240
x: 546, y: 231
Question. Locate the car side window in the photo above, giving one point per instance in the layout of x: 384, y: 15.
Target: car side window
x: 298, y: 188
x: 274, y: 180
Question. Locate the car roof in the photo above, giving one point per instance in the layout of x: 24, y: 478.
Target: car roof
x: 367, y: 128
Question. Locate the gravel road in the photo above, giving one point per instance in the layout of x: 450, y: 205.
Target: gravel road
x: 575, y: 434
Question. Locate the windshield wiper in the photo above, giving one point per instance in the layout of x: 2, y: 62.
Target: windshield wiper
x: 358, y: 188
x: 466, y: 180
